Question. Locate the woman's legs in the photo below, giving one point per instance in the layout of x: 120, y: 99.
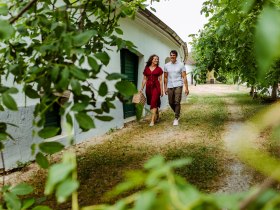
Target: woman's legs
x: 153, y: 119
x: 157, y: 115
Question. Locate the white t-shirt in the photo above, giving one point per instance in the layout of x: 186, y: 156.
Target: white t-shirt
x: 174, y: 71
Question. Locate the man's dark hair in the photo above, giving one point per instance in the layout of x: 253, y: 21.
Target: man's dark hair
x: 174, y: 52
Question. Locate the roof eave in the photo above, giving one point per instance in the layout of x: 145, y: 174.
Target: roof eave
x: 158, y: 23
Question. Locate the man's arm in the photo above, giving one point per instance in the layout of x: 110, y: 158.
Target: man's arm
x: 184, y: 76
x: 165, y: 82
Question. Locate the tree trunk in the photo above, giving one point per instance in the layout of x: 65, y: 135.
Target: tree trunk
x: 274, y: 91
x: 252, y: 91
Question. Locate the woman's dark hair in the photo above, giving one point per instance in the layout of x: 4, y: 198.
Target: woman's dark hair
x: 149, y: 62
x: 174, y: 52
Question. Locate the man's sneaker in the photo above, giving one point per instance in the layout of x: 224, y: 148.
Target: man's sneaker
x: 176, y: 122
x: 152, y: 124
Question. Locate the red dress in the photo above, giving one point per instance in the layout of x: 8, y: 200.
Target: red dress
x: 153, y: 86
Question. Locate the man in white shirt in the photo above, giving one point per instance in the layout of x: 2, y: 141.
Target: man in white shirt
x: 174, y: 79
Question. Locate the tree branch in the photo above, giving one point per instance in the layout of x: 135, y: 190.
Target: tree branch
x: 266, y: 184
x: 30, y: 4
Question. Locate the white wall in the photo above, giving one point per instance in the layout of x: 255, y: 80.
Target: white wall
x: 189, y: 69
x: 148, y: 40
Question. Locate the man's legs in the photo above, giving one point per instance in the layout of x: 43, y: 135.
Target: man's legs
x: 177, y: 101
x: 171, y: 98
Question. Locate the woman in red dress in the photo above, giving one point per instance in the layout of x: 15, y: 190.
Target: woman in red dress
x: 153, y: 81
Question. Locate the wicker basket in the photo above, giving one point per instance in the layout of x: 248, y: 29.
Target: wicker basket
x: 139, y: 98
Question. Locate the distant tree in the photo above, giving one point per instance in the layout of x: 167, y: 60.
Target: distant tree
x: 241, y: 38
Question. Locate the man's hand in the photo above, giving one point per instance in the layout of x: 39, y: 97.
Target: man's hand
x: 187, y: 92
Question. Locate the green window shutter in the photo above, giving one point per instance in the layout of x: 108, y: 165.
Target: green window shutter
x: 129, y: 67
x: 53, y: 118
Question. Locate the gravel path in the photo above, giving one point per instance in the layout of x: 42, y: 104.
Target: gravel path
x: 239, y: 177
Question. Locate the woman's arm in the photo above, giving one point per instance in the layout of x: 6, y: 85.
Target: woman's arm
x: 160, y: 84
x: 143, y: 83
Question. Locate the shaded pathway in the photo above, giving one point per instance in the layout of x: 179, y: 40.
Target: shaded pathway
x: 239, y: 177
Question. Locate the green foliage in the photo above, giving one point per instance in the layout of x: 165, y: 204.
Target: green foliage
x: 54, y: 47
x: 11, y: 196
x: 61, y: 179
x: 48, y: 48
x: 268, y: 37
x: 162, y: 189
x: 241, y: 38
x: 204, y: 166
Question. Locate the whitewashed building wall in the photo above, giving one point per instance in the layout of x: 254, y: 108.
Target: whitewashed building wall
x: 149, y: 39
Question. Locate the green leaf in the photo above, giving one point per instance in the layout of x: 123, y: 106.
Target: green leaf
x: 54, y: 73
x: 4, y: 9
x: 48, y: 132
x: 3, y: 126
x: 83, y: 38
x: 9, y: 102
x: 156, y: 161
x: 268, y: 38
x: 103, y: 57
x: 12, y: 90
x: 77, y: 107
x: 76, y: 86
x: 22, y: 189
x: 126, y: 88
x: 115, y: 76
x: 145, y: 201
x: 64, y: 80
x: 85, y: 121
x: 104, y: 118
x: 51, y: 147
x: 78, y: 73
x: 57, y: 173
x: 12, y: 200
x: 3, y: 136
x: 1, y: 146
x: 6, y: 30
x: 179, y: 163
x: 247, y: 5
x: 139, y: 111
x: 33, y: 148
x: 119, y: 31
x: 153, y: 9
x: 103, y: 89
x: 27, y: 203
x: 30, y: 92
x: 41, y: 208
x: 65, y: 189
x: 93, y: 64
x: 42, y: 160
x: 228, y: 201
